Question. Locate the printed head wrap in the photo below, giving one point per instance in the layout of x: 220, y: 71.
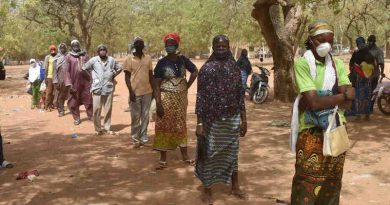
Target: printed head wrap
x: 320, y: 27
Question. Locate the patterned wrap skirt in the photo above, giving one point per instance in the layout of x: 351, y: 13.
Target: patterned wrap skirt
x: 317, y: 179
x: 171, y: 129
x: 221, y: 144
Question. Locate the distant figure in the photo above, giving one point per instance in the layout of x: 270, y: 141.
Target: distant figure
x: 360, y: 43
x: 138, y: 70
x: 34, y: 78
x: 3, y: 162
x: 171, y: 93
x: 220, y: 109
x: 245, y: 66
x: 59, y: 79
x: 104, y: 69
x: 78, y: 82
x: 49, y: 71
x: 363, y: 66
x: 377, y: 53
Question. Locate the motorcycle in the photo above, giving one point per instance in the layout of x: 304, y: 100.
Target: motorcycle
x: 259, y: 88
x: 381, y: 95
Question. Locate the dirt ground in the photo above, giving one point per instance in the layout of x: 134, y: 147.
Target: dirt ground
x: 106, y: 170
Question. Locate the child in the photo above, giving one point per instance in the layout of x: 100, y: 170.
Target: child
x: 34, y: 79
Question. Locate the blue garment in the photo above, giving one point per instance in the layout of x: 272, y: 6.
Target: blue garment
x: 244, y: 77
x: 319, y: 118
x: 42, y: 73
x: 362, y: 104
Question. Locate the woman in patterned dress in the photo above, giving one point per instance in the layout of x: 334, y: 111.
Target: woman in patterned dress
x: 221, y: 120
x: 170, y: 91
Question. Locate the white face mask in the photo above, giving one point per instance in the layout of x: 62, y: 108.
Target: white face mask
x: 323, y: 49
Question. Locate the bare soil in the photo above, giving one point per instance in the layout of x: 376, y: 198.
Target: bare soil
x: 107, y: 170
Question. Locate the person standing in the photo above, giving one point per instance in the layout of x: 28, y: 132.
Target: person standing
x: 323, y: 83
x: 380, y: 60
x: 104, y: 70
x: 48, y: 65
x: 58, y: 79
x: 78, y: 82
x: 220, y: 108
x: 139, y: 80
x: 245, y: 66
x: 171, y: 90
x: 362, y: 66
x: 34, y: 73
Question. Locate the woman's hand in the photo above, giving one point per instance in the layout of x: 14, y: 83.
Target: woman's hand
x: 243, y: 128
x: 199, y: 131
x: 160, y: 110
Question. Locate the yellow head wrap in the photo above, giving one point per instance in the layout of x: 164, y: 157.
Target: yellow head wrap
x: 320, y: 27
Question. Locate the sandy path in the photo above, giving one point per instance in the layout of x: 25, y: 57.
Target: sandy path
x: 106, y: 170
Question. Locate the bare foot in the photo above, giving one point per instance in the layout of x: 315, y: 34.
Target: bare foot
x: 190, y: 162
x: 207, y: 197
x: 239, y: 194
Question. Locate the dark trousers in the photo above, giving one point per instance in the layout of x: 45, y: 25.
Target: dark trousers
x: 1, y: 149
x: 49, y: 93
x: 61, y: 95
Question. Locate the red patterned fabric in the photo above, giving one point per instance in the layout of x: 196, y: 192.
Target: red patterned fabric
x: 175, y: 36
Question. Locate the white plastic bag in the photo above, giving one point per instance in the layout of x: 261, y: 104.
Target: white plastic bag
x: 43, y: 87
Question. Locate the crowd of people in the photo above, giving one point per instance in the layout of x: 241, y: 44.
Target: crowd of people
x: 322, y: 82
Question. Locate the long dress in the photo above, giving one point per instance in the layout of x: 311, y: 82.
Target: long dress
x: 318, y: 178
x: 364, y: 65
x: 81, y: 82
x: 171, y: 129
x: 220, y: 101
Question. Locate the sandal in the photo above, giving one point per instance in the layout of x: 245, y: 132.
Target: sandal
x: 77, y: 122
x: 190, y: 162
x: 161, y: 165
x: 239, y: 194
x: 207, y: 200
x: 7, y: 165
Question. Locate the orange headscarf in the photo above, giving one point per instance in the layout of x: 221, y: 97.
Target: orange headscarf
x: 174, y: 36
x: 52, y: 47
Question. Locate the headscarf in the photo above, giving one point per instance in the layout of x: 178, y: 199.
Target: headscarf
x: 76, y: 53
x: 137, y: 39
x: 216, y: 39
x: 62, y: 45
x: 360, y: 40
x: 34, y: 72
x: 174, y: 36
x: 319, y: 27
x: 101, y: 46
x: 60, y: 57
x: 52, y: 47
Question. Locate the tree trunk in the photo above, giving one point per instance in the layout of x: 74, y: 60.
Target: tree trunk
x: 280, y: 26
x: 350, y: 41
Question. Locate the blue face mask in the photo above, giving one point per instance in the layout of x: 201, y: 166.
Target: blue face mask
x: 170, y: 49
